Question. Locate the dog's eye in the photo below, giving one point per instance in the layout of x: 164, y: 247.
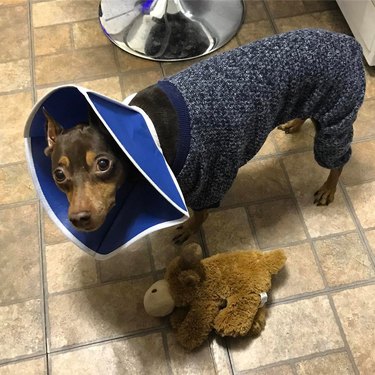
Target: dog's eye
x: 103, y: 164
x: 59, y: 175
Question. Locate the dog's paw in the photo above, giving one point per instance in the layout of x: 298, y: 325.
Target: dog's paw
x: 290, y: 127
x: 324, y: 196
x: 183, y: 234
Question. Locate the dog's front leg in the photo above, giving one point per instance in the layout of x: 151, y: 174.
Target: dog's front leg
x: 325, y: 195
x: 190, y: 226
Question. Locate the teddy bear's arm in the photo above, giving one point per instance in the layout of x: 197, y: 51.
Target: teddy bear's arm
x: 197, y: 325
x: 236, y: 319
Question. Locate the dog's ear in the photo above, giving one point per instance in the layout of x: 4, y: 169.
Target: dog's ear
x: 93, y: 118
x: 53, y: 129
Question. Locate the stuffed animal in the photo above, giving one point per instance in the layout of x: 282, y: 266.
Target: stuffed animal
x: 223, y: 292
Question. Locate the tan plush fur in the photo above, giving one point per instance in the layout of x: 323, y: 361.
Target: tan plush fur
x: 220, y: 292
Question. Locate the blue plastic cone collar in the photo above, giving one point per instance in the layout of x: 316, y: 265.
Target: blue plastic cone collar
x: 147, y: 206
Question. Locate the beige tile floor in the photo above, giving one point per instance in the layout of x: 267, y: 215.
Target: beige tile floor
x: 61, y: 312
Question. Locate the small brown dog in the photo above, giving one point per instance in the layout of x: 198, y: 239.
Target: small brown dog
x: 89, y: 167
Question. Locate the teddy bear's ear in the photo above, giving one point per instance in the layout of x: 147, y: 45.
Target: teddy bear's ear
x: 191, y: 255
x: 189, y: 278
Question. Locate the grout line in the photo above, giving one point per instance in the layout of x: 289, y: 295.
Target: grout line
x: 251, y: 223
x: 302, y: 220
x: 31, y: 52
x: 343, y: 335
x: 18, y: 204
x: 43, y: 282
x: 102, y: 341
x: 270, y: 17
x: 166, y: 351
x: 322, y: 292
x: 20, y: 358
x: 358, y: 225
x: 102, y: 284
x: 294, y: 361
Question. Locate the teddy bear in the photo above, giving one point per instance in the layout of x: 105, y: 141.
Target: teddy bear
x: 224, y: 292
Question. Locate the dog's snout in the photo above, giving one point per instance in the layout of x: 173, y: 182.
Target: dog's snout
x: 80, y: 219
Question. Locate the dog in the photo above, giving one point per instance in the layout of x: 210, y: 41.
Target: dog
x: 214, y: 116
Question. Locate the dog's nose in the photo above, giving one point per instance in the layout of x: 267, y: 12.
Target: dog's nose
x: 80, y: 219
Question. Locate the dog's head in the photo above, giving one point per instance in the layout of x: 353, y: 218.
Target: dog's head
x: 88, y: 167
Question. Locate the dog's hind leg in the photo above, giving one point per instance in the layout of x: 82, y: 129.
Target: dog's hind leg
x: 292, y: 126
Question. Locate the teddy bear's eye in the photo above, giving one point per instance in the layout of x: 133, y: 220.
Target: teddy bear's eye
x: 154, y: 290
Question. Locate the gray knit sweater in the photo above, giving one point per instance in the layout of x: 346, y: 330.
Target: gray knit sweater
x: 232, y: 101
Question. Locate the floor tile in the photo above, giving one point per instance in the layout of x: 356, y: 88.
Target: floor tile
x: 89, y: 34
x: 68, y: 66
x: 364, y: 125
x: 338, y: 363
x: 132, y: 261
x: 12, y: 2
x: 279, y: 370
x: 139, y: 80
x: 69, y: 267
x: 232, y: 44
x: 344, y: 259
x: 370, y: 83
x: 162, y: 247
x: 15, y: 75
x: 304, y: 139
x: 276, y: 223
x: 171, y: 68
x: 255, y: 11
x: 52, y: 233
x: 300, y: 274
x: 252, y: 31
x: 228, y: 230
x: 331, y: 20
x: 267, y: 149
x: 220, y: 356
x: 128, y: 62
x: 360, y: 167
x: 14, y: 110
x: 21, y: 330
x: 138, y: 356
x: 63, y: 11
x: 15, y: 184
x: 98, y: 313
x: 257, y: 180
x: 306, y: 176
x: 106, y: 86
x: 357, y: 319
x: 182, y: 362
x: 363, y: 200
x: 52, y: 39
x: 14, y: 42
x: 370, y: 235
x: 29, y: 367
x: 20, y: 253
x: 285, y: 8
x: 307, y: 326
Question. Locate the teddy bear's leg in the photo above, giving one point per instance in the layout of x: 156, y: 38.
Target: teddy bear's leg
x: 259, y: 322
x: 196, y: 327
x: 237, y: 317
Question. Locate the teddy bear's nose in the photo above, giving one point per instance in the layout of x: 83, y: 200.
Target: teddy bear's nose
x: 154, y: 290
